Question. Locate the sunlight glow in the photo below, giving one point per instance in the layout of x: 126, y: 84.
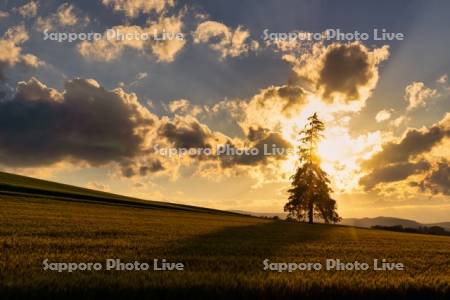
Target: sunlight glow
x: 339, y: 152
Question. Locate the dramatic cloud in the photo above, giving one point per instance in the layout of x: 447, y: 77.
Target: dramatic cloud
x: 138, y: 38
x: 292, y: 96
x: 413, y: 143
x: 395, y: 172
x: 394, y: 161
x: 41, y: 126
x: 226, y: 154
x: 284, y: 110
x: 416, y: 94
x: 132, y: 8
x: 186, y: 133
x: 264, y: 146
x: 28, y: 10
x: 34, y: 90
x: 438, y: 181
x: 270, y: 108
x: 344, y: 72
x: 86, y: 123
x: 383, y: 115
x: 280, y: 101
x: 256, y: 134
x: 226, y: 41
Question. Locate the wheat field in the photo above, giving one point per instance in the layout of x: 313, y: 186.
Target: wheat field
x: 222, y: 255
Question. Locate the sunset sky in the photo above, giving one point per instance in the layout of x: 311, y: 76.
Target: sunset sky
x: 93, y: 112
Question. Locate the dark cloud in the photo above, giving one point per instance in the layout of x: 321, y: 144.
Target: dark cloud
x: 186, y: 134
x: 413, y: 143
x: 291, y: 95
x: 294, y: 96
x: 394, y: 161
x: 349, y: 71
x: 264, y: 147
x: 438, y: 181
x: 257, y: 133
x: 128, y: 171
x: 346, y: 67
x: 395, y: 172
x: 152, y: 166
x: 40, y: 126
x: 130, y: 167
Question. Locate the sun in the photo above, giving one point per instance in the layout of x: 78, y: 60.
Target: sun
x: 340, y: 153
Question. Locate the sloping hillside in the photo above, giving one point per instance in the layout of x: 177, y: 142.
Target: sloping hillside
x: 17, y: 185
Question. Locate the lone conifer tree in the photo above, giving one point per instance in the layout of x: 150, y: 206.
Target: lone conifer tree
x: 310, y: 191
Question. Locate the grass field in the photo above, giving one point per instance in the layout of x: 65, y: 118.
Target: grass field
x: 222, y: 254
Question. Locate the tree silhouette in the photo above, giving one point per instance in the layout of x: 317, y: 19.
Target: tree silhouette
x: 310, y: 191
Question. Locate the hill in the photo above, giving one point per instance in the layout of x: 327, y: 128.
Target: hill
x: 381, y: 221
x: 445, y: 225
x: 222, y: 254
x: 389, y: 221
x: 17, y: 185
x: 360, y: 222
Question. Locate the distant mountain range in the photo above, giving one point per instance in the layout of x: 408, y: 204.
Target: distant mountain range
x: 388, y: 221
x: 361, y: 222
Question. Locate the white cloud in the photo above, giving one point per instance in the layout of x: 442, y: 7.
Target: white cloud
x: 178, y: 105
x: 28, y: 10
x: 141, y: 39
x: 443, y: 79
x: 64, y: 16
x: 11, y: 50
x: 132, y: 8
x: 417, y: 94
x: 166, y: 50
x: 32, y: 61
x: 225, y: 40
x: 140, y: 76
x: 397, y: 122
x: 43, y: 24
x: 383, y: 115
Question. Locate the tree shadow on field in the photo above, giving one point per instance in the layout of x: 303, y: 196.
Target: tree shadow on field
x: 259, y: 240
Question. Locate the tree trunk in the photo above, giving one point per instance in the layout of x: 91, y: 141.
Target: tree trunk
x: 311, y: 214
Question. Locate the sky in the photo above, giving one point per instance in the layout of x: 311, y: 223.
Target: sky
x: 138, y: 82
